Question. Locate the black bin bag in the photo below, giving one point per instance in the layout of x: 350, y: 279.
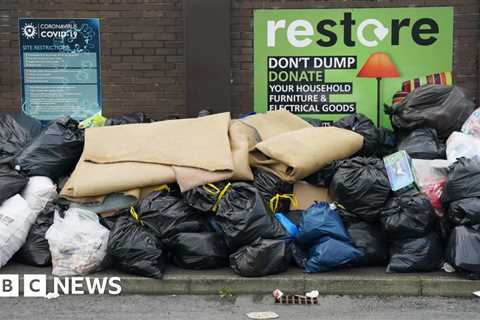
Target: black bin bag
x: 416, y: 255
x: 15, y: 134
x: 409, y: 215
x: 324, y: 176
x: 240, y: 212
x: 243, y: 216
x: 204, y: 198
x: 11, y: 182
x: 463, y: 250
x: 348, y: 217
x: 423, y: 143
x: 444, y: 108
x: 36, y: 251
x: 388, y: 141
x: 109, y: 221
x: 376, y: 141
x: 54, y: 153
x: 368, y: 238
x: 276, y: 193
x: 361, y: 186
x: 262, y: 257
x: 299, y: 255
x: 464, y: 211
x: 32, y: 125
x: 463, y: 180
x: 205, y: 250
x: 134, y: 117
x: 134, y: 248
x: 169, y: 215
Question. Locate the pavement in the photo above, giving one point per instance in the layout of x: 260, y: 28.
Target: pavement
x: 141, y: 307
x: 353, y: 281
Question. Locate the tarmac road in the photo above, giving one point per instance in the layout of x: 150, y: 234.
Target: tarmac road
x: 136, y: 307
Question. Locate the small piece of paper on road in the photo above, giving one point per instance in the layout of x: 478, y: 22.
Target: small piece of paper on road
x: 477, y: 293
x: 262, y: 315
x: 52, y: 295
x: 312, y: 294
x: 448, y: 268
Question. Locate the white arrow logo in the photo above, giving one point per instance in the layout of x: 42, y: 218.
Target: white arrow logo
x: 380, y: 32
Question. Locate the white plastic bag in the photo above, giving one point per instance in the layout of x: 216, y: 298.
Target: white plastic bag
x: 16, y: 219
x: 39, y: 191
x: 430, y: 176
x: 428, y: 172
x: 78, y: 243
x: 462, y: 145
x: 472, y: 125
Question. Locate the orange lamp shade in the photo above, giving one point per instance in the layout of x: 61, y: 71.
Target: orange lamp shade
x: 378, y: 65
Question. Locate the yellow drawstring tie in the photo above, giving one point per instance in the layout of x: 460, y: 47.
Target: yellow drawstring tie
x: 215, y: 191
x: 163, y: 187
x: 135, y: 215
x: 338, y: 205
x: 275, y: 200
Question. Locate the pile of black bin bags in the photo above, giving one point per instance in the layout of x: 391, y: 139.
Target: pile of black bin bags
x: 386, y: 227
x: 212, y: 226
x: 29, y: 148
x: 249, y: 226
x: 401, y: 229
x: 232, y: 224
x: 462, y: 200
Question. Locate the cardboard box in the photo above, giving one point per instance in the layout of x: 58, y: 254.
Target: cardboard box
x: 307, y: 194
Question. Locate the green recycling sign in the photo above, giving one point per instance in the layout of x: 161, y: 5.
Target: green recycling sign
x: 328, y: 63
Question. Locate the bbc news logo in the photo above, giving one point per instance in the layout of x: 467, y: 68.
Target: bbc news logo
x: 35, y: 285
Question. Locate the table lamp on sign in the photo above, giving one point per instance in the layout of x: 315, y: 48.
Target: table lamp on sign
x: 378, y: 65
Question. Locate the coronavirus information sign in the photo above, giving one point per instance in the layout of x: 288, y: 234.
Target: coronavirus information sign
x: 60, y: 67
x: 308, y: 61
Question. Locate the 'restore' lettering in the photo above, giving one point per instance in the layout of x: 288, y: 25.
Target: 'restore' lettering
x: 299, y: 32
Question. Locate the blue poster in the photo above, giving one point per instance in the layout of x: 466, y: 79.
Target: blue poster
x: 60, y: 67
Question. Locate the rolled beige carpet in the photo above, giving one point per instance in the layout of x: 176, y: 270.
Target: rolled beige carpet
x: 295, y: 155
x: 274, y: 123
x: 133, y: 156
x: 201, y: 143
x: 92, y: 179
x: 242, y: 139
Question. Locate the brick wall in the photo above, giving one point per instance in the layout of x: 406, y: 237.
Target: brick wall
x: 142, y: 51
x: 466, y: 39
x: 142, y: 47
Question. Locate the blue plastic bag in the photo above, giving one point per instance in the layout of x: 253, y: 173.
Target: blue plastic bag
x: 318, y: 221
x: 287, y: 224
x: 329, y: 253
